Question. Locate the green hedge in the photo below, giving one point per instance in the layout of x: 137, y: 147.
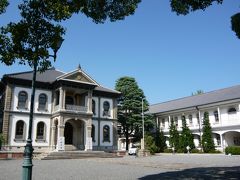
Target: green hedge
x: 1, y: 141
x: 233, y: 150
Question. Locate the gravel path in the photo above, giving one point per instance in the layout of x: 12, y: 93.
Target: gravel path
x: 127, y: 168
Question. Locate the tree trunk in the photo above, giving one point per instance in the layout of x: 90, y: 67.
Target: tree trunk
x: 127, y: 137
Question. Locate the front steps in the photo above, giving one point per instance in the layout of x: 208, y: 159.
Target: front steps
x: 79, y: 155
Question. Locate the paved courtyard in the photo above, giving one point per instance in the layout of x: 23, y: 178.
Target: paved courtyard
x: 129, y: 167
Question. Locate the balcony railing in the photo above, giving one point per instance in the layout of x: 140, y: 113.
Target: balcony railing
x: 76, y: 108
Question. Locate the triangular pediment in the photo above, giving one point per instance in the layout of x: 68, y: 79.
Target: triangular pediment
x: 78, y: 76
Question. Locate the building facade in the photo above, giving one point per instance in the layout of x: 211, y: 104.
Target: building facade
x: 71, y: 112
x: 223, y: 107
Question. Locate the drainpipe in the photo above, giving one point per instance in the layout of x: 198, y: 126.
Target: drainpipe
x: 199, y: 127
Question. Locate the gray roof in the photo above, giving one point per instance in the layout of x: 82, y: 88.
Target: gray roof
x: 100, y: 88
x: 49, y: 76
x: 230, y: 93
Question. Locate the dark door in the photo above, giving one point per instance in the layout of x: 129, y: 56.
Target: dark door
x: 68, y: 133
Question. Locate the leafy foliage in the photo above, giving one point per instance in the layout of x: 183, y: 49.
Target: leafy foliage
x: 37, y: 34
x: 174, y: 136
x: 233, y: 150
x: 150, y: 144
x: 235, y: 19
x: 3, y: 5
x: 186, y: 6
x: 31, y: 38
x: 130, y: 107
x: 207, y: 141
x: 186, y: 138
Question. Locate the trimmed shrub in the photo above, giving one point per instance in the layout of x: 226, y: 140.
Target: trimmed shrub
x: 167, y: 151
x: 1, y: 141
x: 195, y: 151
x: 233, y: 150
x: 150, y: 144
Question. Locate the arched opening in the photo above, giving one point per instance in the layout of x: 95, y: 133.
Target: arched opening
x: 231, y: 138
x: 74, y: 133
x: 68, y: 133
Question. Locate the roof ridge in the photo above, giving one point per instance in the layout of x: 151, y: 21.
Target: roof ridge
x: 195, y: 95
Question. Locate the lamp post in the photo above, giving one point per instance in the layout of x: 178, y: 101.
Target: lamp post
x: 143, y: 143
x: 28, y: 151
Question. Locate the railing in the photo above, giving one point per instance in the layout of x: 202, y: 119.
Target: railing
x: 76, y: 108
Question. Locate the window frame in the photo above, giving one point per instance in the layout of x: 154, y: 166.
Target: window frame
x: 43, y: 133
x: 106, y: 112
x: 93, y: 133
x: 107, y: 128
x: 20, y: 136
x: 42, y: 107
x: 22, y: 104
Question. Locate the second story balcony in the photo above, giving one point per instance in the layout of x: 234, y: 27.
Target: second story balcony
x: 78, y: 101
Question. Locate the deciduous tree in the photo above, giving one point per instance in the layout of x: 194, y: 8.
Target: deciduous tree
x: 184, y: 7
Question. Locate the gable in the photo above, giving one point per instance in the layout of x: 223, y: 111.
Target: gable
x: 79, y: 76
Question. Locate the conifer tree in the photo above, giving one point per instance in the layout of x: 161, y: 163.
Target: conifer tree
x: 186, y: 138
x: 160, y: 141
x: 174, y: 136
x: 207, y: 141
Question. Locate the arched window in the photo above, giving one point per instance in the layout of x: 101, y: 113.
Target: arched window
x: 19, y: 130
x: 94, y: 107
x: 93, y: 133
x: 69, y: 100
x: 216, y: 116
x: 106, y: 133
x: 106, y: 107
x: 190, y: 119
x: 40, y: 131
x: 232, y: 110
x: 42, y: 102
x: 22, y: 100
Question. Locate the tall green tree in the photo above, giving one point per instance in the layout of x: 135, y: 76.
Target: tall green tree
x: 3, y: 5
x: 173, y: 136
x: 186, y: 138
x: 185, y: 7
x: 130, y: 106
x: 207, y: 140
x: 160, y: 140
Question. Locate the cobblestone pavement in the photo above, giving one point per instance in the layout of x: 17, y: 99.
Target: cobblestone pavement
x: 130, y: 167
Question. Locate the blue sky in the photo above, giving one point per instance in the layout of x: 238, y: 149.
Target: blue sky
x: 170, y: 56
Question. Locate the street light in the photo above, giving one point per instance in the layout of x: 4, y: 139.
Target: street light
x: 28, y: 151
x: 143, y: 143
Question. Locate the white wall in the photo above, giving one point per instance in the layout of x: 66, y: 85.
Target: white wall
x: 37, y: 93
x: 25, y: 118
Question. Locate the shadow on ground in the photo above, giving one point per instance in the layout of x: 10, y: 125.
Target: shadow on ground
x: 198, y: 173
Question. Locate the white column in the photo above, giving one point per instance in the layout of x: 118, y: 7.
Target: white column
x: 60, y: 98
x: 219, y: 116
x: 89, y: 102
x: 169, y: 121
x: 64, y: 99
